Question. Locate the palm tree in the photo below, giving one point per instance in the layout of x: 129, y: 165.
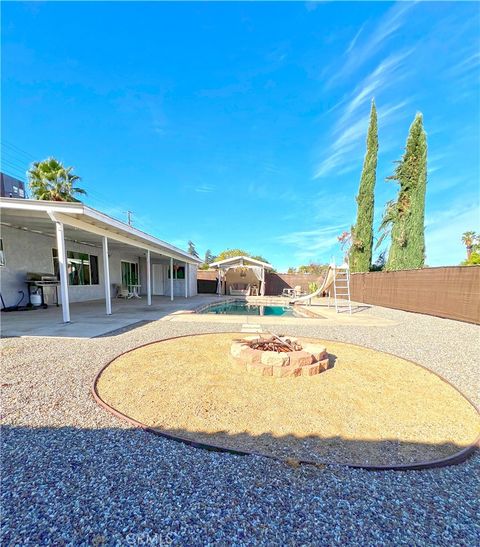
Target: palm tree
x: 469, y: 239
x: 50, y: 180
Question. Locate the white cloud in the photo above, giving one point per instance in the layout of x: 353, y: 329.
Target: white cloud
x: 358, y: 53
x: 205, y: 189
x: 313, y: 245
x: 353, y: 41
x: 386, y: 74
x: 342, y: 155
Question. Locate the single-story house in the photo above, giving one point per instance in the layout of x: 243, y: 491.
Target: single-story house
x: 83, y: 254
x: 241, y: 276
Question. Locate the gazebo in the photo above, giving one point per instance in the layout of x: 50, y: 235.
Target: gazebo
x: 241, y: 276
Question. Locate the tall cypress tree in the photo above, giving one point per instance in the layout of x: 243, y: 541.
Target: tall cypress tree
x: 362, y: 232
x: 406, y: 215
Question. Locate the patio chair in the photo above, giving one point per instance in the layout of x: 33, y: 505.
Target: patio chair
x: 288, y: 291
x: 297, y: 291
x: 121, y: 292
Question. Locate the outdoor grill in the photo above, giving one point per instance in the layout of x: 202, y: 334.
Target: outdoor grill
x: 38, y: 281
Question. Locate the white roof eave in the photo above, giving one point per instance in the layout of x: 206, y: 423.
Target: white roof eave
x: 246, y: 260
x: 87, y: 214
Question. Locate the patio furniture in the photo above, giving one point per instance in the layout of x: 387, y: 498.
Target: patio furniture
x: 239, y: 289
x: 133, y: 291
x: 288, y: 292
x: 297, y: 291
x: 121, y: 292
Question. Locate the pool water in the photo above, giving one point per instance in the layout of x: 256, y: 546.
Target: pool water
x: 244, y: 308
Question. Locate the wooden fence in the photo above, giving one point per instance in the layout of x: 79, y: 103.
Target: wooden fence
x: 450, y: 292
x: 274, y: 282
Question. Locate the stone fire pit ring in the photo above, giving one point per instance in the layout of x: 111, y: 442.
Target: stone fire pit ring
x: 310, y: 360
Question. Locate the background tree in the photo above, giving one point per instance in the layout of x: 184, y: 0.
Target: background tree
x: 50, y: 180
x: 312, y: 268
x: 472, y: 242
x: 260, y: 258
x: 405, y: 217
x: 231, y: 253
x: 192, y: 250
x: 209, y: 258
x: 360, y: 254
x: 469, y: 239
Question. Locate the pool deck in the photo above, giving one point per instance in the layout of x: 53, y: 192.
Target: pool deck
x: 320, y: 314
x: 89, y: 319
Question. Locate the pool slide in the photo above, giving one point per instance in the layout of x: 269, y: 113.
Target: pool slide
x: 327, y: 283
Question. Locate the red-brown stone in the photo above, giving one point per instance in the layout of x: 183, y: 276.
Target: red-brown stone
x: 301, y: 358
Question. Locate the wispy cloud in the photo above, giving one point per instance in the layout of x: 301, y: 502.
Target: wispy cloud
x: 386, y: 74
x: 469, y: 62
x: 204, y: 189
x: 342, y: 155
x: 353, y: 41
x: 312, y: 244
x: 350, y: 130
x: 359, y: 52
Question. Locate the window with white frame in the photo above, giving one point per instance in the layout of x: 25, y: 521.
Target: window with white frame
x: 82, y: 268
x: 2, y: 254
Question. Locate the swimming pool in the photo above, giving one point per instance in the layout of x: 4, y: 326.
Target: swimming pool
x: 240, y: 307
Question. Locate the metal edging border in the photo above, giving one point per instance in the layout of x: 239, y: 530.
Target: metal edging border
x: 454, y: 459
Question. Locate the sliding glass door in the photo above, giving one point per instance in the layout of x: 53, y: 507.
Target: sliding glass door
x: 129, y: 274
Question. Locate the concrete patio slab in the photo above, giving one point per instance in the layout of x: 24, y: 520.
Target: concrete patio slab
x: 90, y: 320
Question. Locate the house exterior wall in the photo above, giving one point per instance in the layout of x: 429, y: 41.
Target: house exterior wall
x: 30, y: 252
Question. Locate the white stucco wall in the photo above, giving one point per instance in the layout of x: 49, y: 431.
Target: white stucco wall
x: 30, y: 252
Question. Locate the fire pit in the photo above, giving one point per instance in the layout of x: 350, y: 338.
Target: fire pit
x: 279, y: 356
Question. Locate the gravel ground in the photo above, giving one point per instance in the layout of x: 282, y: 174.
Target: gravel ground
x: 74, y: 474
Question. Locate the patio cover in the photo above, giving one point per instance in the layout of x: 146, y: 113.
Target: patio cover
x: 77, y: 222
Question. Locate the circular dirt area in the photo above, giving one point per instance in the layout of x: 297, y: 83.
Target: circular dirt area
x: 369, y: 408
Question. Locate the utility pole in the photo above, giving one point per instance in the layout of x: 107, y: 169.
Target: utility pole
x: 129, y: 217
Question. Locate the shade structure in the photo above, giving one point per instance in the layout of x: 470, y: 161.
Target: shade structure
x: 241, y: 264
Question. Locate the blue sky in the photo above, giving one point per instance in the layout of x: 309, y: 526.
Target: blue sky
x: 243, y: 124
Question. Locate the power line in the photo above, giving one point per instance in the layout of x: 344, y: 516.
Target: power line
x: 18, y: 149
x: 16, y: 163
x: 18, y: 172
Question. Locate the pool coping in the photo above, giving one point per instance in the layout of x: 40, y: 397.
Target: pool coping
x: 455, y: 459
x: 276, y: 301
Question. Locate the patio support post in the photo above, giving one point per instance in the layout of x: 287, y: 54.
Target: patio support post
x: 149, y: 280
x: 171, y: 279
x: 106, y: 276
x: 186, y: 280
x: 62, y: 266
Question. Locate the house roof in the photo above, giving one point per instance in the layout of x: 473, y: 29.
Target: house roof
x: 37, y: 216
x: 240, y: 261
